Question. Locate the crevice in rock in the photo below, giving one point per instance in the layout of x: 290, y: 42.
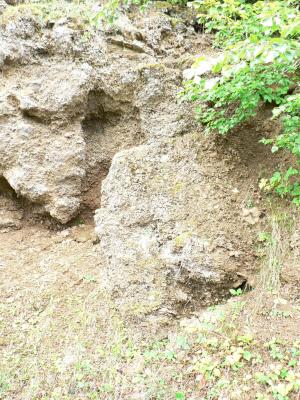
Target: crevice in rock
x: 198, y: 27
x: 33, y: 116
x: 101, y: 110
x: 5, y: 188
x: 109, y: 126
x: 8, y: 192
x: 92, y: 125
x: 15, y: 207
x: 10, y: 210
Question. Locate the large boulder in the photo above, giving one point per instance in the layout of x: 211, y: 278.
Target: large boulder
x: 42, y: 150
x: 44, y: 165
x: 172, y: 233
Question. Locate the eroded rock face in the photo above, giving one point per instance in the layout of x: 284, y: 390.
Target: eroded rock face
x: 159, y: 226
x: 42, y: 151
x: 67, y: 105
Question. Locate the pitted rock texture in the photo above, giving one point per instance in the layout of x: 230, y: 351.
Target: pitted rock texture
x: 68, y: 105
x: 163, y: 227
x: 42, y: 151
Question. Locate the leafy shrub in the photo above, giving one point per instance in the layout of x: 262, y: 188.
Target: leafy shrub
x: 260, y: 63
x: 235, y: 20
x: 286, y: 184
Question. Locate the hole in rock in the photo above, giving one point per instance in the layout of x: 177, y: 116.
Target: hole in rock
x: 5, y: 188
x: 244, y: 286
x: 92, y: 125
x: 32, y: 115
x: 101, y: 110
x: 198, y: 27
x: 109, y: 125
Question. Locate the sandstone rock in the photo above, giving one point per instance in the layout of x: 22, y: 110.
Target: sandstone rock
x: 17, y: 42
x: 59, y: 133
x: 42, y: 149
x: 158, y: 226
x: 126, y: 27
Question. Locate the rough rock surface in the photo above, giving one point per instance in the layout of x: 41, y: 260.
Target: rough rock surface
x: 10, y: 215
x: 41, y: 143
x: 163, y: 226
x: 68, y: 105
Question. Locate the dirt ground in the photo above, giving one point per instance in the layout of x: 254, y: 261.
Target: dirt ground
x: 62, y: 337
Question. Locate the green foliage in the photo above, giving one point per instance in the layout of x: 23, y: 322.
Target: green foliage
x: 286, y: 184
x: 234, y: 98
x: 236, y: 292
x: 111, y: 9
x: 260, y: 64
x: 235, y: 20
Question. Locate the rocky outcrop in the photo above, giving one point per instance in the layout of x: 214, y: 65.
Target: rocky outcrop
x: 42, y: 151
x: 67, y: 105
x: 173, y: 235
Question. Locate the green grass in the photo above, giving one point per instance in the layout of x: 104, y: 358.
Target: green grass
x: 100, y: 356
